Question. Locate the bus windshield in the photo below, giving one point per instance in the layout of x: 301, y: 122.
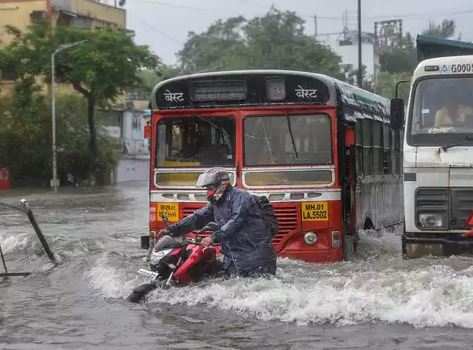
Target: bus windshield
x: 187, y: 142
x: 442, y: 112
x: 288, y: 140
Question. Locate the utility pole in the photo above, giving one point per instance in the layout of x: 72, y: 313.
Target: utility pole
x: 315, y: 27
x: 55, y: 180
x: 360, y: 64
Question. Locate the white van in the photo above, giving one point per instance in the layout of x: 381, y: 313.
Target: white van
x: 438, y: 158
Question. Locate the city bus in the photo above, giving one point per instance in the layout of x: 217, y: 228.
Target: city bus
x: 322, y: 151
x: 438, y: 158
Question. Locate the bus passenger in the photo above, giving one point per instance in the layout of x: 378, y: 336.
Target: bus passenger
x: 244, y: 235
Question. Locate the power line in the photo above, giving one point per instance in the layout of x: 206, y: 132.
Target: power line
x: 176, y: 42
x: 163, y: 3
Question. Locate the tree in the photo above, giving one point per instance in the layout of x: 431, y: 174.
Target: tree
x: 386, y: 83
x: 149, y: 78
x: 444, y: 30
x: 100, y: 69
x: 25, y: 139
x: 275, y: 41
x: 402, y: 58
x: 24, y: 136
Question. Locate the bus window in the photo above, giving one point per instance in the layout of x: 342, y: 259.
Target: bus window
x: 387, y: 150
x: 359, y: 148
x: 196, y: 142
x: 367, y: 129
x: 288, y: 140
x: 378, y: 147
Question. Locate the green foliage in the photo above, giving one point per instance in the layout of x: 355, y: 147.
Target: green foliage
x: 386, y: 83
x: 403, y: 58
x: 275, y: 41
x: 103, y: 66
x: 149, y: 78
x: 399, y: 59
x: 444, y: 30
x: 73, y: 155
x: 25, y: 138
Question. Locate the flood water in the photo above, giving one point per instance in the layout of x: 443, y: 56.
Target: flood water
x: 377, y: 301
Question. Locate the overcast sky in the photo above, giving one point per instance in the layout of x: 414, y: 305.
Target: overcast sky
x: 164, y: 25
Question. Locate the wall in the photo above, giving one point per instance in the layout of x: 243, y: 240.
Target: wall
x: 116, y: 17
x: 18, y: 14
x: 132, y: 169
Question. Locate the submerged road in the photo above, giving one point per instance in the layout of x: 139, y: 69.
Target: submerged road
x: 377, y: 301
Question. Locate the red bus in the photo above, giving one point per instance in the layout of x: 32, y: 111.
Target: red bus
x: 322, y: 151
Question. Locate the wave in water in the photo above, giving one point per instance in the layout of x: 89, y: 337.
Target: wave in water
x: 379, y: 286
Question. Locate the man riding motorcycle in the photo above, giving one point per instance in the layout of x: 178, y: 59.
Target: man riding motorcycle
x: 242, y: 232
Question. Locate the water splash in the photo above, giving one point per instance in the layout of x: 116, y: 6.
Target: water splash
x: 109, y: 279
x: 376, y: 286
x: 433, y: 296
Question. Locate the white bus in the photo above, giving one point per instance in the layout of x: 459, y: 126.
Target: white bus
x: 438, y: 158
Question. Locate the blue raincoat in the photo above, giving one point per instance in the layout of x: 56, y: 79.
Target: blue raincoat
x: 243, y: 234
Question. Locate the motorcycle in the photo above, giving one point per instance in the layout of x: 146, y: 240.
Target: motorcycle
x: 178, y: 262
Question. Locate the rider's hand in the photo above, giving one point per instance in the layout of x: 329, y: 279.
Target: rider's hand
x: 206, y: 241
x: 161, y: 233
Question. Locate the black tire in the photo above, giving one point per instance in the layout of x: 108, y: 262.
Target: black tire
x: 140, y: 292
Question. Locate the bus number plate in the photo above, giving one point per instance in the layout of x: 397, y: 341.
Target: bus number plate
x: 170, y: 211
x: 314, y: 211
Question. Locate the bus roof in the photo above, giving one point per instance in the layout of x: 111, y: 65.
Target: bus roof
x: 448, y: 65
x: 261, y: 87
x: 431, y: 47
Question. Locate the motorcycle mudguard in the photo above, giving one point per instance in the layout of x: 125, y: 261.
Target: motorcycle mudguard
x: 198, y: 261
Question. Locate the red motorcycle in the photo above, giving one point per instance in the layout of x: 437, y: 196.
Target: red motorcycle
x: 178, y: 262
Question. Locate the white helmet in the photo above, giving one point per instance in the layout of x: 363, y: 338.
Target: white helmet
x: 212, y: 176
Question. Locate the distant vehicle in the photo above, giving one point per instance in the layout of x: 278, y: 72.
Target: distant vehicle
x: 322, y: 151
x: 438, y: 157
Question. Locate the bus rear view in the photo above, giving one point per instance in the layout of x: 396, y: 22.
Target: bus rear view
x: 438, y: 159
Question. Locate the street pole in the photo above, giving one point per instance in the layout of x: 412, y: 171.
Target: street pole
x: 360, y: 64
x: 55, y: 180
x: 316, y: 31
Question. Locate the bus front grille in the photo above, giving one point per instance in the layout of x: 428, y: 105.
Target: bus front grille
x: 287, y: 221
x: 461, y: 207
x: 455, y: 204
x: 286, y: 216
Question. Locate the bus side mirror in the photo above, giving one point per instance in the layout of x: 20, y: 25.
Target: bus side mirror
x: 397, y: 113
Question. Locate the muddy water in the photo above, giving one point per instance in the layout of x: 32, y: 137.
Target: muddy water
x: 377, y: 301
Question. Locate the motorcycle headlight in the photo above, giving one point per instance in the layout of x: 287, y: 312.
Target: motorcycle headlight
x: 431, y: 220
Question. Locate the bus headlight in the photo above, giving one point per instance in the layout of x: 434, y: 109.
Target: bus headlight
x: 310, y: 238
x: 431, y: 220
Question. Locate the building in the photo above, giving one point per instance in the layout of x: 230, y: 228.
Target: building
x: 129, y: 130
x: 346, y: 46
x: 80, y: 13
